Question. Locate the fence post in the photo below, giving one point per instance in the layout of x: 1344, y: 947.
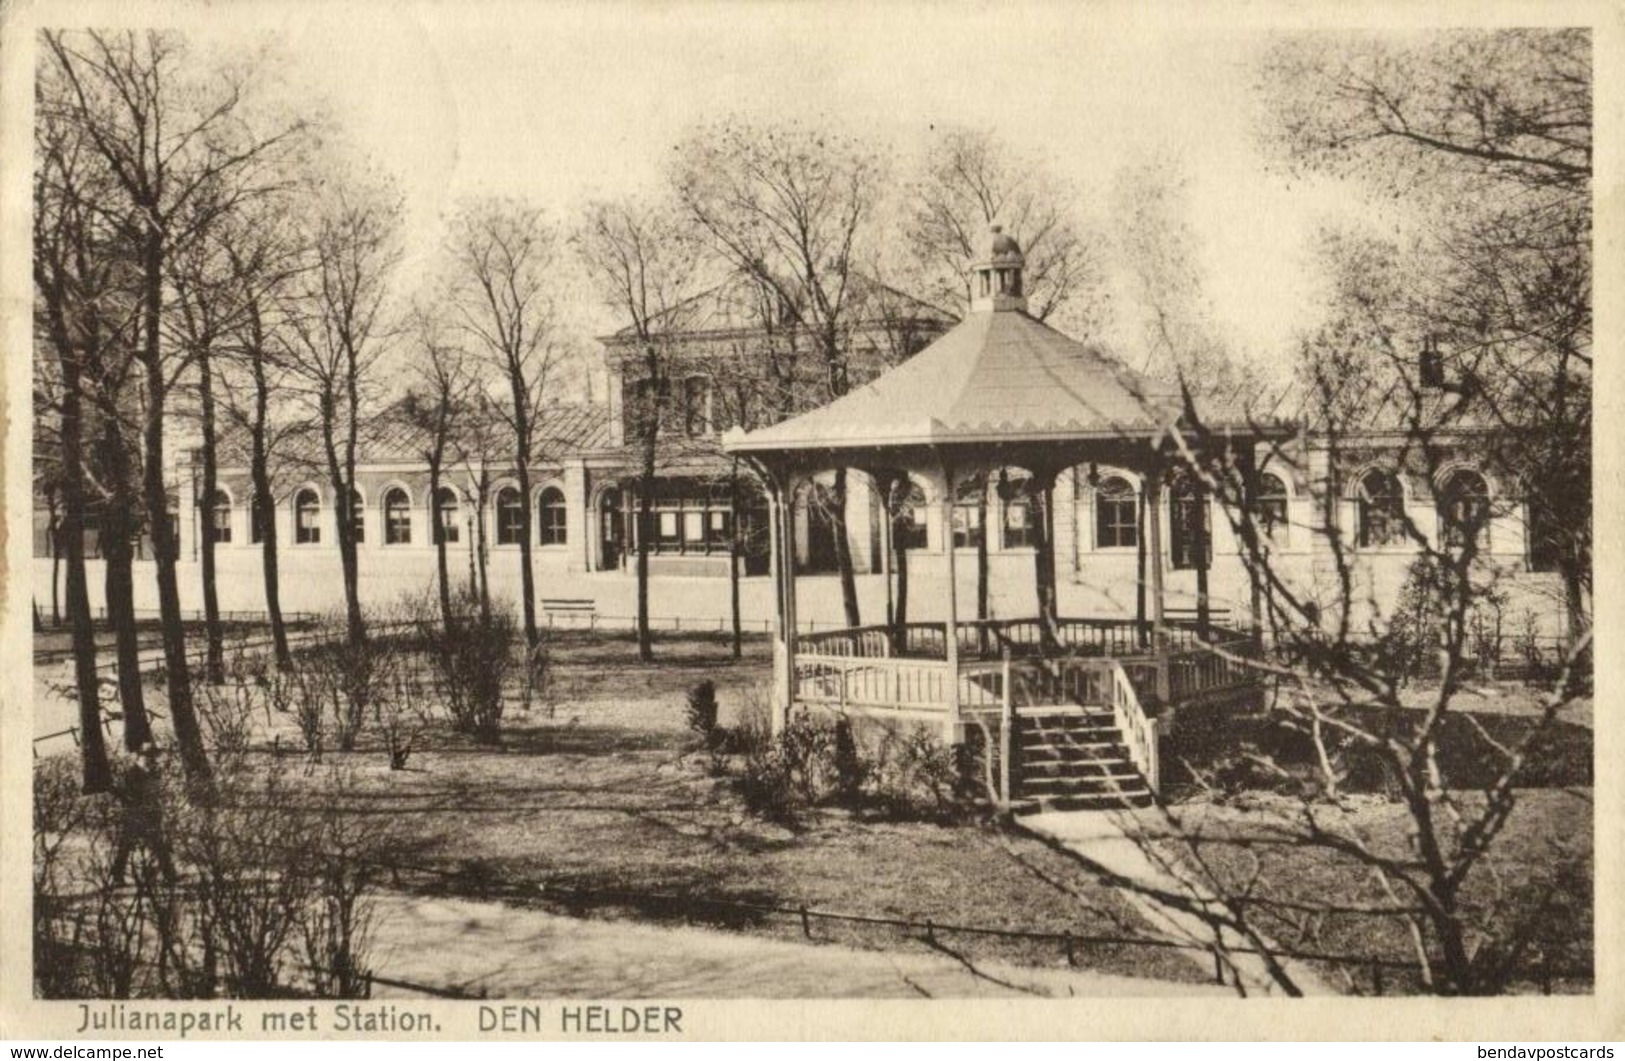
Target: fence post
x: 1071, y: 957
x: 806, y: 922
x: 1376, y: 977
x: 1218, y: 964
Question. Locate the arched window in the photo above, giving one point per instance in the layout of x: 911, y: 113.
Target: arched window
x: 358, y: 518
x: 1464, y: 509
x: 1190, y: 534
x: 696, y: 406
x: 1117, y: 519
x: 1018, y: 511
x: 259, y: 517
x: 908, y: 513
x: 1271, y: 505
x: 1382, y: 509
x: 220, y: 517
x: 307, y: 511
x: 969, y: 502
x: 550, y: 507
x: 448, y: 515
x: 397, y: 518
x: 819, y: 504
x: 510, y: 517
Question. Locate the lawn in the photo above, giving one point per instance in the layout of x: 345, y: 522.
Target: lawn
x: 601, y: 803
x: 598, y: 802
x: 1540, y: 870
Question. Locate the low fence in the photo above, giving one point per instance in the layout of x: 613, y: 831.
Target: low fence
x: 1367, y: 974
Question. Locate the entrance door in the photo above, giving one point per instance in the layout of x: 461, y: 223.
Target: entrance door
x: 609, y: 530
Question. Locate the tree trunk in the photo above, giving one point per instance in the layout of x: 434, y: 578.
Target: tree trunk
x: 733, y: 562
x: 216, y: 658
x: 1044, y: 560
x: 268, y: 556
x: 96, y: 774
x: 188, y: 735
x: 260, y: 471
x: 527, y: 568
x: 53, y: 533
x: 646, y: 651
x: 118, y: 551
x: 482, y: 568
x: 438, y: 531
x: 843, y: 551
x: 893, y: 498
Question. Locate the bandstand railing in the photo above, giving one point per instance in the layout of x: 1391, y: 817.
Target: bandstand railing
x: 1006, y: 667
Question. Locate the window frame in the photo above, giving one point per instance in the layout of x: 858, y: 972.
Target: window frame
x: 1020, y: 497
x: 552, y: 518
x: 447, y: 533
x: 1273, y: 522
x: 397, y: 522
x: 218, y: 530
x: 509, y: 518
x: 1454, y: 531
x: 1190, y: 525
x: 307, y: 521
x: 1128, y: 498
x: 1390, y: 507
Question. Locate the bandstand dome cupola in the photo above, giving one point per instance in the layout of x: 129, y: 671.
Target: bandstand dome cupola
x: 996, y: 282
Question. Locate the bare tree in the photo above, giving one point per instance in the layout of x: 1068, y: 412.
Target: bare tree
x: 168, y: 143
x: 1486, y: 136
x: 644, y: 264
x: 67, y: 316
x: 1385, y: 779
x: 338, y: 331
x: 790, y: 207
x: 971, y: 180
x: 436, y: 405
x: 503, y: 255
x: 200, y: 279
x: 263, y: 260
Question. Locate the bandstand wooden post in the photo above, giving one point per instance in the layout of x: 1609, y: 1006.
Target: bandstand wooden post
x: 1159, y: 633
x: 951, y: 645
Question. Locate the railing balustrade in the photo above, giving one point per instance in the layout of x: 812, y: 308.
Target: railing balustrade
x: 1138, y: 730
x: 1005, y: 670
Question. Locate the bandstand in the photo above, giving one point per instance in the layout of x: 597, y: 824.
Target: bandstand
x: 1066, y: 707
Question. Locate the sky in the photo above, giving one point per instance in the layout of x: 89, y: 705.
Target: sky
x: 560, y: 104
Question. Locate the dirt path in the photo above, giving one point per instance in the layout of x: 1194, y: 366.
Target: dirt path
x: 509, y: 952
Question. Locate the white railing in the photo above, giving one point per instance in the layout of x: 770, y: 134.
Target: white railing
x: 900, y: 684
x: 1138, y: 730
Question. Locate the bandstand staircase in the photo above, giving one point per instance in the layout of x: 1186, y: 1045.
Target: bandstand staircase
x: 1070, y: 758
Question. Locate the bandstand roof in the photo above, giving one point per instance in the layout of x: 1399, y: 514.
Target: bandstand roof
x: 999, y: 380
x: 1000, y: 376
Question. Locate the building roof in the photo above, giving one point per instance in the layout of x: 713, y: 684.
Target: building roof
x: 564, y: 429
x: 999, y: 376
x: 736, y: 307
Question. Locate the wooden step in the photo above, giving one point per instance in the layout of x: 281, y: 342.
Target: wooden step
x: 1079, y: 768
x: 1114, y: 801
x: 1081, y: 786
x: 1070, y: 751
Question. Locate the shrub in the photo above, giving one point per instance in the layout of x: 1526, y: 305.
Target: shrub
x: 851, y: 771
x: 916, y: 773
x: 249, y: 894
x: 472, y: 662
x: 702, y: 712
x: 814, y: 762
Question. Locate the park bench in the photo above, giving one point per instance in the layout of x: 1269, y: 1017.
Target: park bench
x: 574, y: 608
x: 1217, y: 614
